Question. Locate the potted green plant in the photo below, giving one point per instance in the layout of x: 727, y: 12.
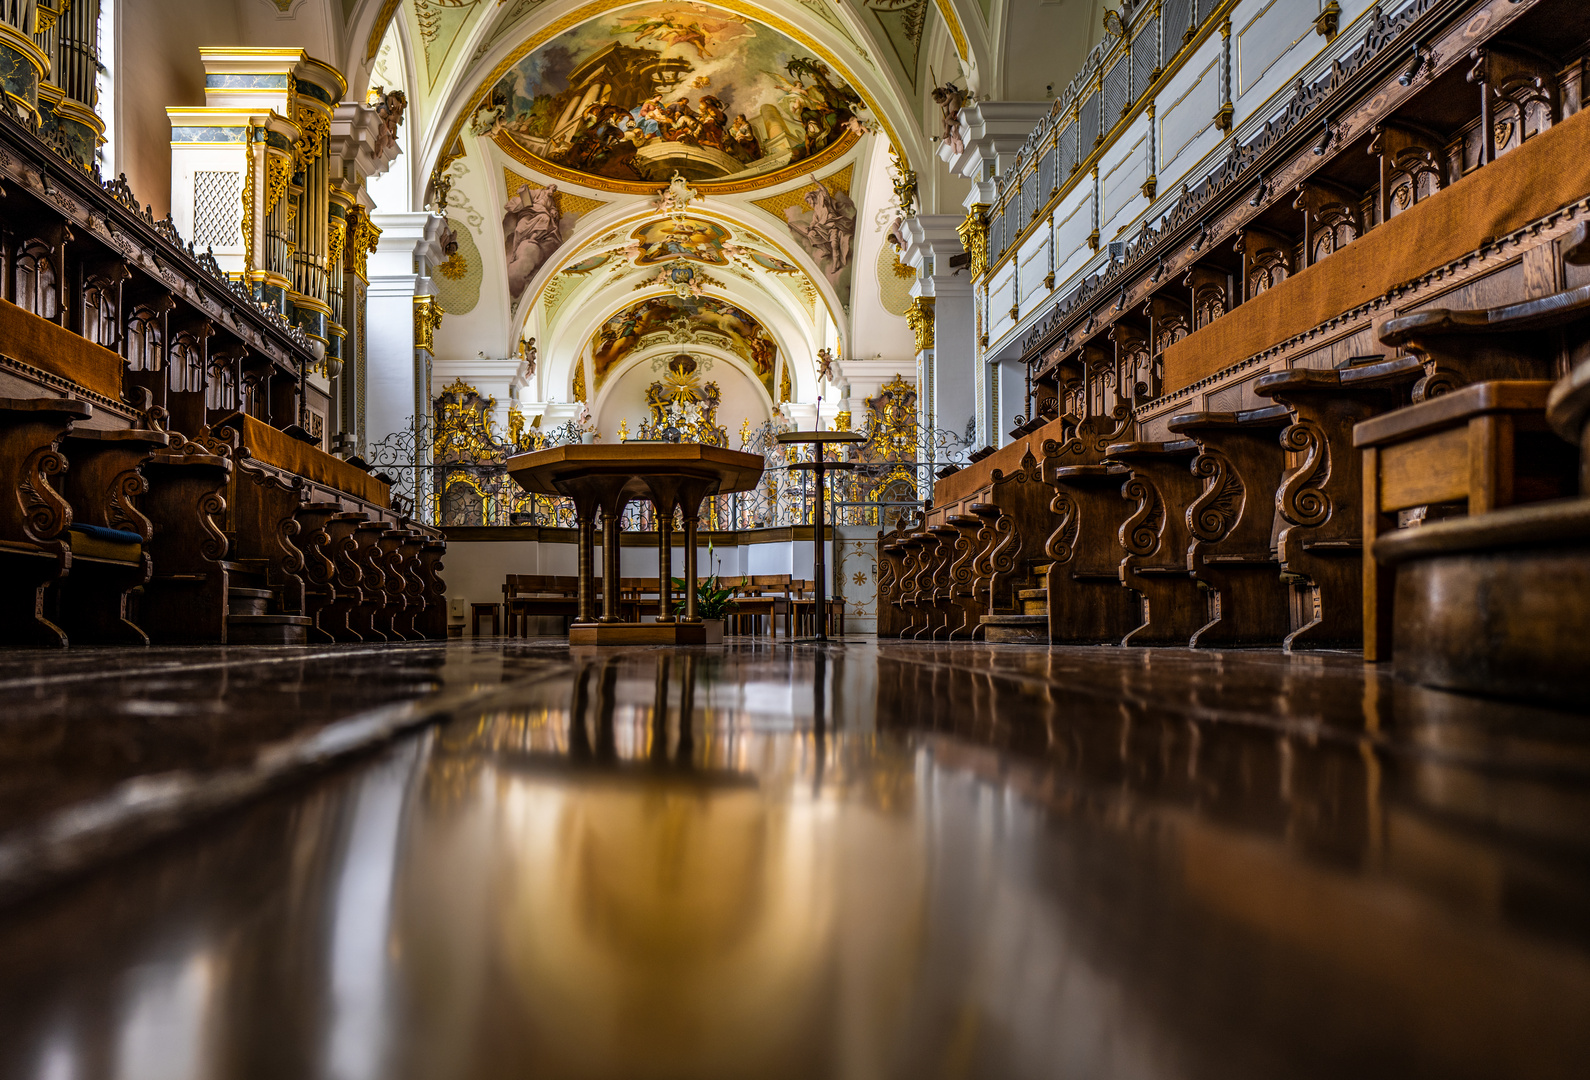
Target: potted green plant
x: 712, y: 604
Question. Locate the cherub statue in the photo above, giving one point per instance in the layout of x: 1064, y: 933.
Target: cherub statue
x: 950, y: 100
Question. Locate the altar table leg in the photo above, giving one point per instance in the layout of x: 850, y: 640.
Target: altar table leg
x: 690, y: 567
x: 587, y: 583
x: 610, y: 581
x: 665, y: 564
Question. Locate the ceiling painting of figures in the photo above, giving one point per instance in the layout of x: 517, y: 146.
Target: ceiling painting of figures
x: 683, y: 320
x: 640, y: 93
x: 687, y: 238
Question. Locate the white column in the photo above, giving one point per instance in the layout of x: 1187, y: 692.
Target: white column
x: 399, y: 380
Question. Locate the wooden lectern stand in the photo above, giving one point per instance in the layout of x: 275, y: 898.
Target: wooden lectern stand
x: 607, y: 478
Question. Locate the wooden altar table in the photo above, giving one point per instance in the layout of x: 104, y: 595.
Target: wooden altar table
x: 607, y: 478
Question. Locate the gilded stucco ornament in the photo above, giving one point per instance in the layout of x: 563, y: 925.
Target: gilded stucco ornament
x: 427, y: 319
x: 920, y: 319
x: 974, y: 237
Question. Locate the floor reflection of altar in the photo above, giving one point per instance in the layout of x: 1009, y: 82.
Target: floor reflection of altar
x: 605, y: 479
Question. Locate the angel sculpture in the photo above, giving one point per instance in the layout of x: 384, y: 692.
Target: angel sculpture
x: 825, y: 365
x: 950, y: 100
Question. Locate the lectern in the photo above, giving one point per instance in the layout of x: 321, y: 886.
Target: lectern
x: 608, y: 478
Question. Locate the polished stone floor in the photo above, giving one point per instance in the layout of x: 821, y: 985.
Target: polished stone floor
x: 500, y: 859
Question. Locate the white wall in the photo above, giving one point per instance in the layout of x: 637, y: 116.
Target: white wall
x: 474, y: 571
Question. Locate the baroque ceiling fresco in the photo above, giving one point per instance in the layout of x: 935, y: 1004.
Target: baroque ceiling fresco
x: 646, y: 91
x: 683, y: 320
x: 570, y: 122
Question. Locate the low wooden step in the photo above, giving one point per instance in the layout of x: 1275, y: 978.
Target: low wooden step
x: 1016, y: 629
x: 241, y: 601
x: 1033, y: 601
x: 268, y: 629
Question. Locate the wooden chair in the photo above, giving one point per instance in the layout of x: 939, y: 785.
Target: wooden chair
x: 1486, y: 445
x: 186, y: 600
x: 801, y: 610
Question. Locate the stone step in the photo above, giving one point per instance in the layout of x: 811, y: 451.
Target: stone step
x: 241, y: 601
x: 268, y: 629
x: 1016, y: 629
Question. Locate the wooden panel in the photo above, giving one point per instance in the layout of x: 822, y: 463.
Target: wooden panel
x: 1429, y: 470
x: 1547, y: 172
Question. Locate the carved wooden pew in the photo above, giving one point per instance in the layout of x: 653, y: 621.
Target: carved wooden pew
x: 1154, y: 540
x: 399, y: 622
x: 1486, y: 445
x: 919, y: 594
x: 948, y: 552
x: 1320, y: 547
x: 109, y: 534
x: 1015, y: 508
x: 1495, y: 603
x: 186, y: 601
x: 1087, y: 605
x: 894, y: 565
x: 35, y: 548
x: 347, y: 616
x: 912, y: 545
x: 371, y: 619
x: 320, y: 568
x: 433, y: 620
x: 965, y: 613
x: 1514, y: 342
x: 1233, y: 524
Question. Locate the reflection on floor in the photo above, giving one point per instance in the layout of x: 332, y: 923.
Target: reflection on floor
x: 781, y: 860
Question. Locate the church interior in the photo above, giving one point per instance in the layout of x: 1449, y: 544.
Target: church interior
x: 794, y: 538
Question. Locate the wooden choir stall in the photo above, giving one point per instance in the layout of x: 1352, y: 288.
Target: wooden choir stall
x: 1334, y: 398
x: 157, y: 483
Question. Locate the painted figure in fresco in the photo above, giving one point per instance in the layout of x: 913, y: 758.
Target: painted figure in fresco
x: 596, y: 95
x: 825, y: 227
x: 682, y: 28
x: 745, y: 145
x: 531, y: 224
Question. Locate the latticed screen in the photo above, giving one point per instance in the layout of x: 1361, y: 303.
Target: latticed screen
x: 217, y: 209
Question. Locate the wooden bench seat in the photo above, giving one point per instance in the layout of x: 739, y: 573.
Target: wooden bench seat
x: 1154, y: 540
x: 35, y: 517
x: 1234, y: 524
x: 1320, y: 544
x: 1087, y: 605
x: 105, y: 485
x: 1486, y: 446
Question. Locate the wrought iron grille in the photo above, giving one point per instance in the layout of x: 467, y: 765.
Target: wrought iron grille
x: 440, y: 482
